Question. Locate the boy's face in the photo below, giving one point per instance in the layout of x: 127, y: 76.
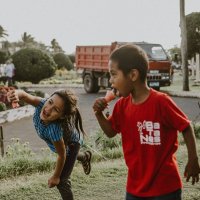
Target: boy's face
x: 52, y: 109
x: 122, y: 83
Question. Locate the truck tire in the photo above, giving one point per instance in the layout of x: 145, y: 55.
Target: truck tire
x: 90, y: 84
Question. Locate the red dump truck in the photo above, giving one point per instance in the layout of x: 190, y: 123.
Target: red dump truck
x: 92, y: 64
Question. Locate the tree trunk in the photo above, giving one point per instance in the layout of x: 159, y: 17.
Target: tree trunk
x: 184, y: 46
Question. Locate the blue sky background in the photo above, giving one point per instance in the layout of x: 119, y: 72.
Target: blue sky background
x: 95, y: 22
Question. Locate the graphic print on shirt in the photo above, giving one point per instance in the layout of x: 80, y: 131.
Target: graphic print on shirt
x: 149, y: 132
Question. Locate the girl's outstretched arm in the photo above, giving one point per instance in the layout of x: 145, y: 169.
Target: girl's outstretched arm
x: 16, y: 95
x: 61, y: 151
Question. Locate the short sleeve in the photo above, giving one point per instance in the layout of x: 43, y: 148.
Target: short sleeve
x: 55, y: 132
x: 40, y: 105
x: 172, y: 116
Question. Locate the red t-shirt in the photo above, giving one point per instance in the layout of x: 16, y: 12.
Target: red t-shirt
x: 149, y: 140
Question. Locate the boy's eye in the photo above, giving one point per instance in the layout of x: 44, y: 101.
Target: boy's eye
x: 112, y: 74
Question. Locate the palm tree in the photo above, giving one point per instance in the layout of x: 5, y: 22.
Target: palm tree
x: 2, y: 32
x: 56, y: 47
x: 27, y: 39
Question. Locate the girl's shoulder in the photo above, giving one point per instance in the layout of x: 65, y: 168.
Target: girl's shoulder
x: 41, y: 103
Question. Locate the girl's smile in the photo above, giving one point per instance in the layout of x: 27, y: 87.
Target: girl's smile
x: 52, y: 109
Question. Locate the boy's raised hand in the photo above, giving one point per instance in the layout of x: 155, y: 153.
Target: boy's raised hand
x: 192, y: 170
x: 99, y: 105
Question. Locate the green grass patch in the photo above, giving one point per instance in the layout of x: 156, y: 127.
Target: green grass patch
x: 29, y: 174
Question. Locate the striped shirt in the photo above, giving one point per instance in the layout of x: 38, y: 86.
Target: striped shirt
x: 51, y: 132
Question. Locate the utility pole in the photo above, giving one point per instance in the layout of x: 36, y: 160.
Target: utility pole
x: 184, y: 53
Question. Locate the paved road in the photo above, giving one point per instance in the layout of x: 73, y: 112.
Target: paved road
x: 24, y: 129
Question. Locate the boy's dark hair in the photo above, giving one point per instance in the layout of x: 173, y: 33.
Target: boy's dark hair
x: 130, y: 57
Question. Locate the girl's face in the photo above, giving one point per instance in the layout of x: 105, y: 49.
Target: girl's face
x: 53, y: 109
x: 123, y: 84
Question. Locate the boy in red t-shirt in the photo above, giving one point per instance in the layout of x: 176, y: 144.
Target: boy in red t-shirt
x: 149, y: 122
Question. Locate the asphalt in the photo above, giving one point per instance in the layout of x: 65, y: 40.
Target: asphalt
x: 17, y: 126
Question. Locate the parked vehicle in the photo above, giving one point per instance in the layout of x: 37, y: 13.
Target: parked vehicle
x: 92, y: 64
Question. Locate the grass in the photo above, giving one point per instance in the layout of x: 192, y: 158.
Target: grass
x: 106, y: 181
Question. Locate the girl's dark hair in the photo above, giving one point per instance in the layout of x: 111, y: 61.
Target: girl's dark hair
x: 72, y: 118
x: 130, y: 57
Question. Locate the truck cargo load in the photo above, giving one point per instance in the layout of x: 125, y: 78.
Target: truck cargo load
x: 92, y: 64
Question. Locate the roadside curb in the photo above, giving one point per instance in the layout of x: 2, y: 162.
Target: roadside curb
x: 16, y: 114
x: 55, y: 86
x: 182, y: 94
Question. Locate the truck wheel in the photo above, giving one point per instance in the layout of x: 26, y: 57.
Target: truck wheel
x: 90, y: 84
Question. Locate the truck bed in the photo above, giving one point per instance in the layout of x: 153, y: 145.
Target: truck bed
x: 93, y: 57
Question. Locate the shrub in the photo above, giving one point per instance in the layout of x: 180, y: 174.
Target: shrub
x: 20, y: 160
x: 197, y: 130
x: 33, y: 65
x: 3, y: 94
x: 2, y: 106
x: 103, y: 147
x: 3, y: 57
x: 103, y: 142
x: 72, y: 58
x: 63, y: 60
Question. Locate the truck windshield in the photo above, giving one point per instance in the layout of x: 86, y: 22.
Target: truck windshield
x: 154, y: 51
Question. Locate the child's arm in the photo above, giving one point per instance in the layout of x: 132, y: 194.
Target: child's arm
x: 98, y: 107
x: 61, y: 151
x: 192, y: 168
x: 16, y: 95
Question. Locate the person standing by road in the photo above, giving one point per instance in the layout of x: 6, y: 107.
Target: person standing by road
x: 149, y: 122
x: 58, y: 122
x: 10, y: 72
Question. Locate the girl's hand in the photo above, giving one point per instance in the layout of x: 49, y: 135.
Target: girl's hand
x: 53, y: 181
x: 99, y: 105
x: 13, y: 96
x: 192, y: 170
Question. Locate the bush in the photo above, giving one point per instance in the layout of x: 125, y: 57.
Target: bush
x: 3, y: 57
x: 197, y: 130
x: 20, y: 160
x: 63, y: 60
x: 72, y: 58
x: 104, y: 148
x: 2, y: 106
x: 33, y: 65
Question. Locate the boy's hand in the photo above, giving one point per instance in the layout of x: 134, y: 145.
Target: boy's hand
x: 99, y: 105
x: 192, y: 170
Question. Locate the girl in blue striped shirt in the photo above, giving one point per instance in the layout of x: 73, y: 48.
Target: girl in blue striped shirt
x: 58, y: 122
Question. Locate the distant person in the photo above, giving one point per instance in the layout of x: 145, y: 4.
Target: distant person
x: 2, y: 74
x: 58, y: 122
x: 149, y: 122
x: 10, y: 72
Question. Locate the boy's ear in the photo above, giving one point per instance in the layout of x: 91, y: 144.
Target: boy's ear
x: 134, y: 74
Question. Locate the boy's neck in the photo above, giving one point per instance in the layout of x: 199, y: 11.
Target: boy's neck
x: 140, y: 94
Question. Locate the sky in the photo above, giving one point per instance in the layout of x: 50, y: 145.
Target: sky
x: 95, y: 22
